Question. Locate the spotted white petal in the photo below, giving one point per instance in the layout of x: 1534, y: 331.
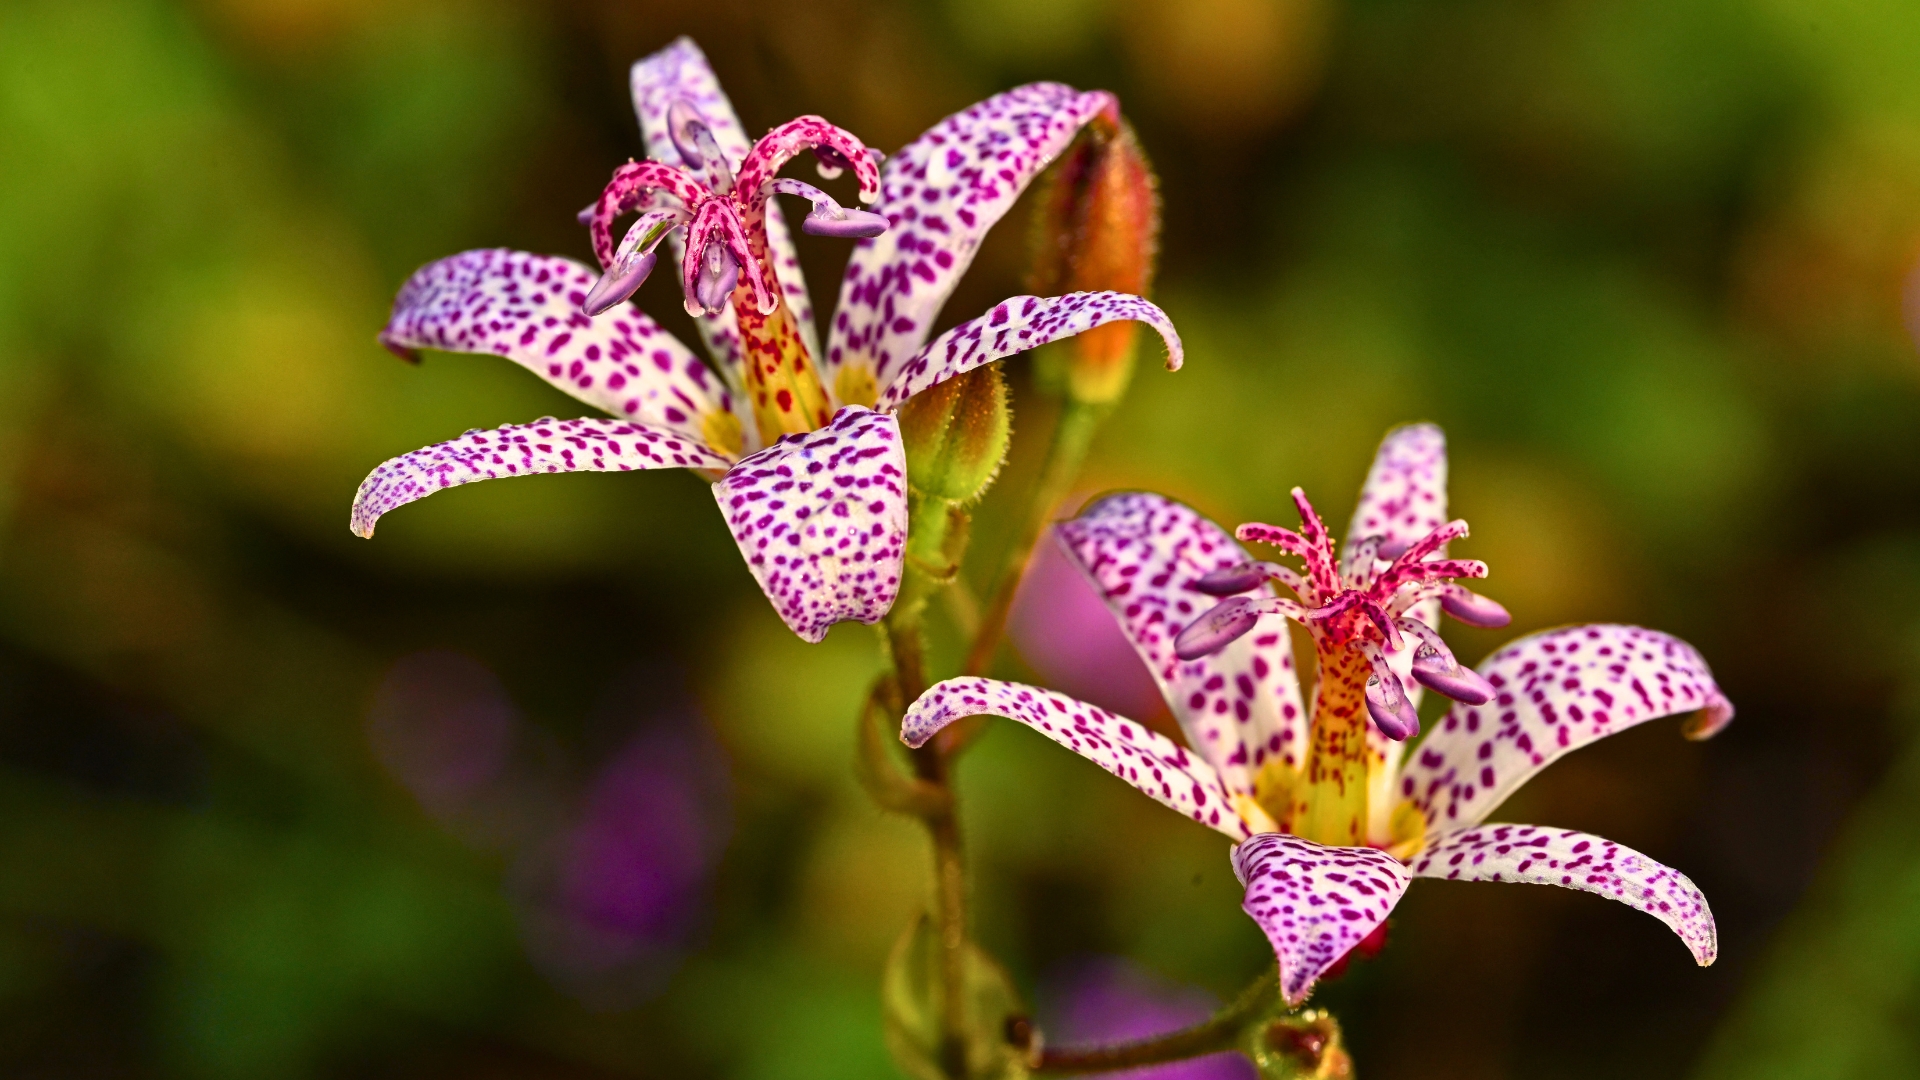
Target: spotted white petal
x: 1575, y: 860
x: 544, y: 446
x: 1315, y: 903
x: 941, y: 193
x: 1239, y: 706
x: 526, y: 308
x: 1017, y: 324
x: 1403, y: 499
x: 1405, y: 496
x: 680, y: 72
x: 1555, y: 692
x: 821, y: 519
x: 1151, y: 762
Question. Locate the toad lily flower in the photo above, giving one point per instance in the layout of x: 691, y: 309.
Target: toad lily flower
x: 811, y: 473
x: 1329, y: 825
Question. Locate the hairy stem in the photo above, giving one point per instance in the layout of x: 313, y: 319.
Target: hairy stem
x: 1222, y: 1031
x: 1072, y: 435
x: 907, y: 644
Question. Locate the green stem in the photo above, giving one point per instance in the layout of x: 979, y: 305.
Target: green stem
x: 1222, y: 1032
x: 907, y: 645
x: 1072, y: 435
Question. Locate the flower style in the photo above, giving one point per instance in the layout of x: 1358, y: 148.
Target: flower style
x: 1329, y: 824
x: 811, y: 474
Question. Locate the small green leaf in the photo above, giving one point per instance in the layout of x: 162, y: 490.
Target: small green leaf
x: 995, y: 1019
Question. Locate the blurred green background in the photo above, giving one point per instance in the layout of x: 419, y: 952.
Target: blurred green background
x: 1644, y: 259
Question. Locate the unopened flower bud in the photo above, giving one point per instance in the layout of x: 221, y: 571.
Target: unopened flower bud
x: 1097, y: 226
x: 1305, y: 1045
x: 956, y: 434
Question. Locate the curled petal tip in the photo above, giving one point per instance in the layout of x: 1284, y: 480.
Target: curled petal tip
x: 397, y: 349
x: 1216, y: 629
x: 845, y: 223
x: 585, y: 217
x: 1392, y: 713
x: 1230, y: 580
x: 618, y: 283
x: 1707, y: 722
x: 1473, y: 609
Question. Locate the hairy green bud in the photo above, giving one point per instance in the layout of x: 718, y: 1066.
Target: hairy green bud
x: 956, y: 435
x: 1096, y: 226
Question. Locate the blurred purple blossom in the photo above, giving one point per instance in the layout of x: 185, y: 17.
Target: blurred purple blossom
x: 611, y: 869
x: 1065, y: 633
x: 442, y: 724
x: 1112, y: 1000
x: 611, y: 900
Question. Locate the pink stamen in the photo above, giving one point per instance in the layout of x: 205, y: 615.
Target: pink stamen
x: 1320, y: 564
x: 1433, y: 541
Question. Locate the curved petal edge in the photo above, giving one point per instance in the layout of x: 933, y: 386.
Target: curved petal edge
x: 1158, y: 767
x: 544, y: 446
x: 1575, y: 860
x: 1554, y: 693
x: 1020, y: 323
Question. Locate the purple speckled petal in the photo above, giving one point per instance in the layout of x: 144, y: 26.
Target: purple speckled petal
x: 1239, y: 706
x: 680, y: 72
x: 526, y: 308
x: 1554, y: 692
x: 942, y: 192
x: 1405, y: 496
x: 1403, y: 499
x: 821, y: 519
x: 1313, y: 902
x: 544, y: 446
x: 1541, y: 856
x: 1151, y: 762
x: 1017, y: 324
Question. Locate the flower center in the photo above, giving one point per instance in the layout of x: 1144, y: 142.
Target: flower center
x: 1363, y: 609
x: 721, y: 208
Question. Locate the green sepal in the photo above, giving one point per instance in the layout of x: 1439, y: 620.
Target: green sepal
x: 913, y: 1000
x: 1304, y: 1045
x: 956, y: 434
